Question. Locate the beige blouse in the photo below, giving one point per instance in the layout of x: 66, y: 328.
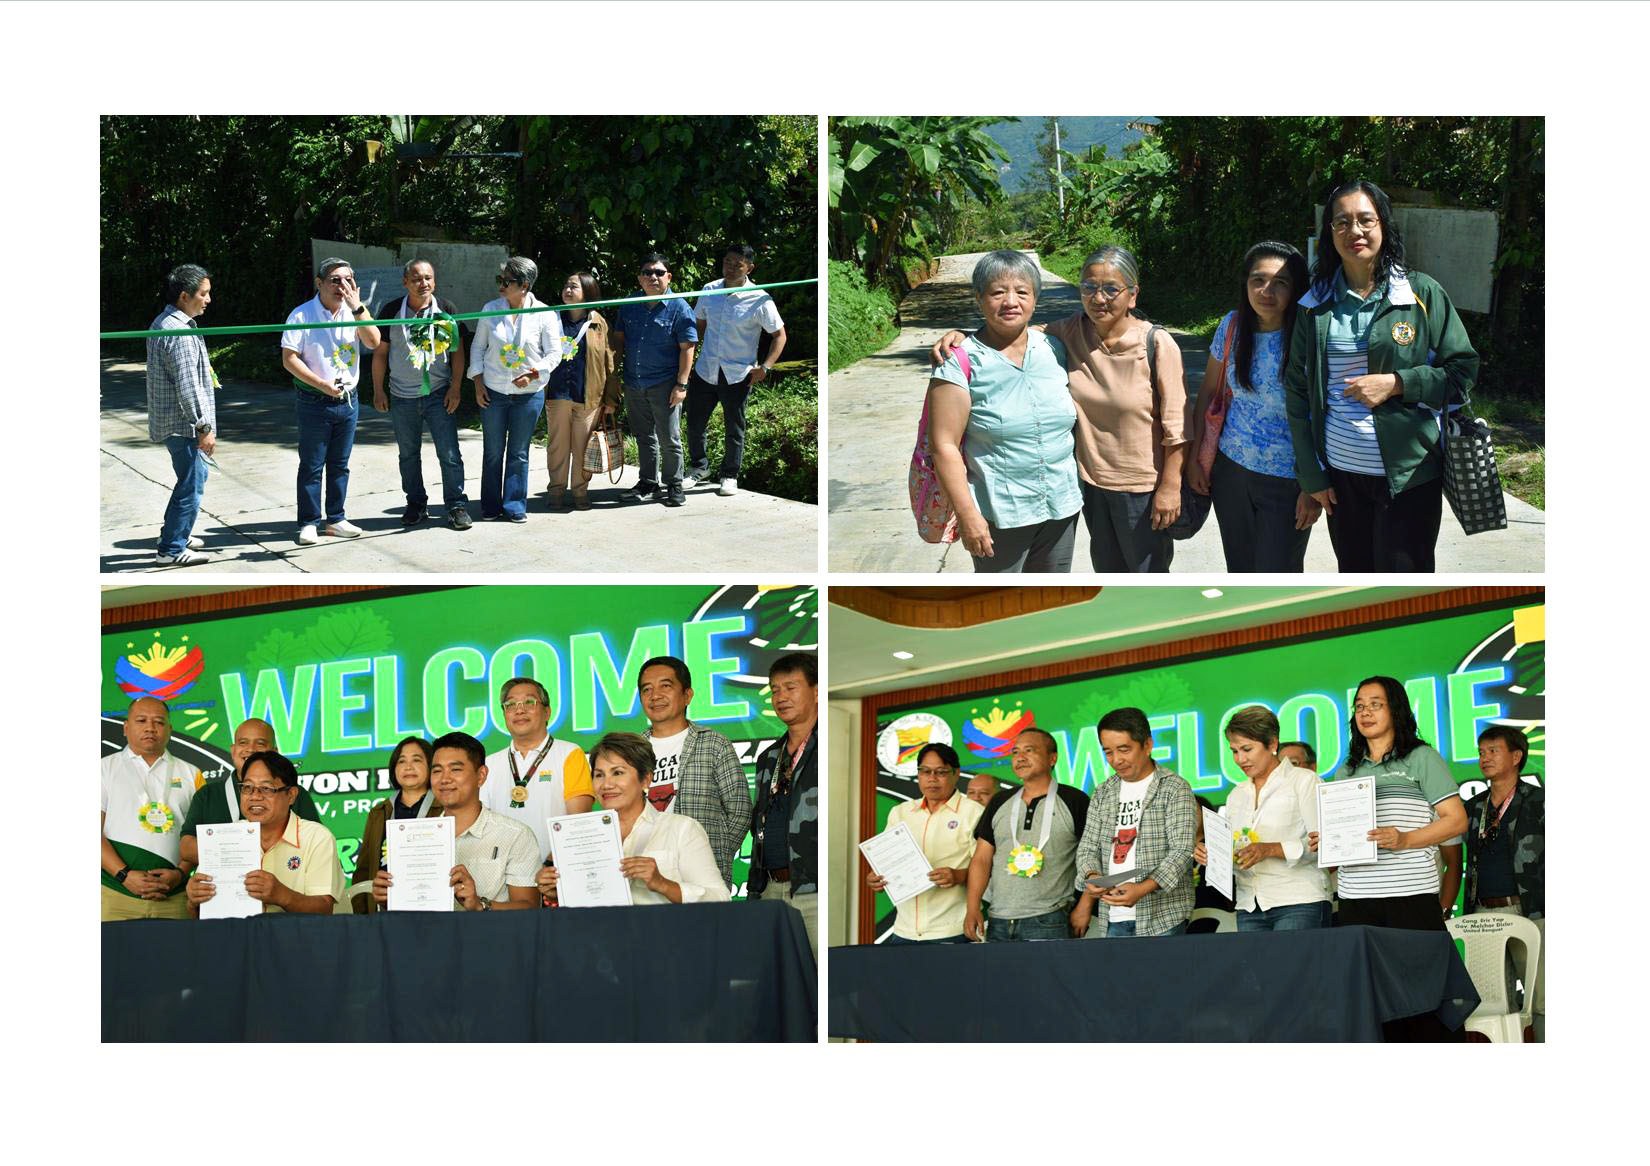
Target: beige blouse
x: 1124, y: 423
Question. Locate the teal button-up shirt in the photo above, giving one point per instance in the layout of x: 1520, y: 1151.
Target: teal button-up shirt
x: 1018, y: 446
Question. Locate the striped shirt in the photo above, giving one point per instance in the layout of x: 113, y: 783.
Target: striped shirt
x: 1349, y: 428
x: 1406, y: 790
x: 179, y: 380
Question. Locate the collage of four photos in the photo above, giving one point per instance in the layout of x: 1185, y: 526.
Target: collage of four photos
x: 507, y: 513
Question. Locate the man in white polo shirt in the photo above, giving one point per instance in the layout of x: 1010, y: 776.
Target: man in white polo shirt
x: 730, y: 328
x: 496, y: 862
x: 146, y: 795
x: 536, y: 777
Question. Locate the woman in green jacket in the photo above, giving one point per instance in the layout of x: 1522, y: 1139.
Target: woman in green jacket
x: 1376, y: 353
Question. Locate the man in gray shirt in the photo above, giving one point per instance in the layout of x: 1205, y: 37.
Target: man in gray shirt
x: 1036, y: 827
x: 424, y: 364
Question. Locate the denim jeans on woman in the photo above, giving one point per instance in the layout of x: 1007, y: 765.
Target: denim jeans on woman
x: 1288, y: 917
x: 189, y: 464
x: 326, y: 436
x: 507, y: 425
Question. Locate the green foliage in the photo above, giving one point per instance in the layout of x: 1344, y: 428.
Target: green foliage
x: 861, y: 317
x: 781, y: 435
x: 898, y: 184
x: 244, y: 195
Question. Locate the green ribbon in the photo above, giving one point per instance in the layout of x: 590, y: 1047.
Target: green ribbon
x: 250, y: 329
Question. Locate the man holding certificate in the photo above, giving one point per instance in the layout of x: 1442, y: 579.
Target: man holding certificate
x: 298, y: 872
x: 1142, y: 824
x: 535, y: 777
x: 941, y: 822
x: 1037, y: 827
x: 496, y: 859
x: 220, y: 801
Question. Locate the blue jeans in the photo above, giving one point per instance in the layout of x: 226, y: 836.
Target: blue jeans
x: 411, y: 416
x: 506, y: 437
x: 1124, y: 929
x: 656, y: 424
x: 1055, y: 924
x: 189, y: 464
x: 1289, y: 917
x: 326, y: 435
x: 900, y: 940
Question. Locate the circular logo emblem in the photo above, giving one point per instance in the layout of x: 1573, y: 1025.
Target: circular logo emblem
x: 292, y: 863
x: 518, y: 796
x: 900, y: 742
x: 1403, y: 333
x: 157, y: 818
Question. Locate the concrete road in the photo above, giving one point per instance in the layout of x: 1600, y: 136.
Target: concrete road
x: 876, y: 402
x: 249, y: 513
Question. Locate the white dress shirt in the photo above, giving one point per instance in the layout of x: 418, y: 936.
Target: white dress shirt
x: 732, y: 325
x: 1288, y: 811
x: 507, y: 347
x: 682, y: 849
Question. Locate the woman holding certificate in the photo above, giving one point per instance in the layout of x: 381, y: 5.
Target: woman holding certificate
x: 1277, y: 885
x: 410, y: 773
x: 1417, y: 808
x: 666, y: 857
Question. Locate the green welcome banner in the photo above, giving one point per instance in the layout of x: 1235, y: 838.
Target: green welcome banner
x: 1461, y: 671
x: 343, y: 681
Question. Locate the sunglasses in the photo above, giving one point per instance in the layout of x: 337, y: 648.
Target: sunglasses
x: 655, y: 271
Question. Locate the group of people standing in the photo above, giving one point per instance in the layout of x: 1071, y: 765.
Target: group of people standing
x: 1336, y: 378
x: 679, y: 792
x: 1043, y: 857
x: 525, y: 359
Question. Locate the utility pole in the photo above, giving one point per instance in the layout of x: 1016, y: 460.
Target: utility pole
x: 1059, y: 172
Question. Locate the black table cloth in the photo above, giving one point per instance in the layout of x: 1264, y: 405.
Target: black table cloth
x: 696, y: 972
x: 1334, y: 984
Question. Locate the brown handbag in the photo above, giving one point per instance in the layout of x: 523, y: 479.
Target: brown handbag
x: 604, y: 450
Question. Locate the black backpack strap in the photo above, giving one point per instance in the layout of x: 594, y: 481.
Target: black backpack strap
x: 1151, y: 354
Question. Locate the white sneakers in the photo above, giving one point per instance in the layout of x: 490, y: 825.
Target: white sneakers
x: 184, y: 558
x: 689, y: 481
x: 344, y: 529
x: 196, y: 542
x: 729, y: 487
x: 308, y: 536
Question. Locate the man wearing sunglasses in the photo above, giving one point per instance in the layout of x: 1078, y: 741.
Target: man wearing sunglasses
x: 325, y: 365
x: 656, y: 339
x: 535, y: 777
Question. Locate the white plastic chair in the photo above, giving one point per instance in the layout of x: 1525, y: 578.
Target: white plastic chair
x: 1487, y: 938
x: 1224, y: 920
x: 346, y: 905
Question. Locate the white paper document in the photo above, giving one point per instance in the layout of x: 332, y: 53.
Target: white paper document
x: 1217, y: 841
x: 421, y: 863
x: 587, y: 850
x: 229, y: 851
x: 1346, y: 815
x: 895, y: 855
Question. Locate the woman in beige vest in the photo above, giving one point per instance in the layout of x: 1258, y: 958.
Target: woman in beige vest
x: 583, y: 392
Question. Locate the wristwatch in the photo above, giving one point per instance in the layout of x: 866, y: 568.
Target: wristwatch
x: 485, y: 905
x: 681, y: 384
x: 120, y: 875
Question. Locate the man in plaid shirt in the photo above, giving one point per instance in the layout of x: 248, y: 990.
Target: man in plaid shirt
x: 183, y: 409
x: 696, y: 772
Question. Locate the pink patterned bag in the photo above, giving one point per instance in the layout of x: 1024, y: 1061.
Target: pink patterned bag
x: 936, y: 517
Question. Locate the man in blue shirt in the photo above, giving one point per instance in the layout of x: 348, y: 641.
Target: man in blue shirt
x: 656, y: 339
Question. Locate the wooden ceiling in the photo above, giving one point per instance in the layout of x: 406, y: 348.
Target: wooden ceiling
x: 955, y: 607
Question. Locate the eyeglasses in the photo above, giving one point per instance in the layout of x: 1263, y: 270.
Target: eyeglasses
x: 339, y: 280
x: 1340, y: 224
x: 655, y: 271
x: 526, y: 702
x: 932, y: 771
x: 1106, y: 291
x: 505, y: 281
x: 266, y: 790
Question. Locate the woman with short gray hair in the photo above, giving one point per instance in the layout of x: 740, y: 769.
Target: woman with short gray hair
x: 1000, y: 427
x: 1130, y: 441
x: 510, y: 363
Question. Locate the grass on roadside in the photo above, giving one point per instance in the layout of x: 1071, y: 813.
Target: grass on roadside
x: 861, y: 317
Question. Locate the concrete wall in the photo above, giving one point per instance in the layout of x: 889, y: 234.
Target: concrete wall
x: 464, y: 271
x: 842, y: 813
x: 1455, y: 246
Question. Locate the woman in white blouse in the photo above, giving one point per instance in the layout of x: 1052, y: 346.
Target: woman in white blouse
x: 667, y: 857
x: 1275, y: 875
x: 510, y: 363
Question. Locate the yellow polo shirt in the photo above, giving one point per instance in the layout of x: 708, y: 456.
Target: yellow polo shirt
x: 305, y: 861
x: 946, y: 836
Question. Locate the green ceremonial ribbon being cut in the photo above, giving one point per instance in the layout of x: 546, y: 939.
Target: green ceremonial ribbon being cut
x: 250, y: 329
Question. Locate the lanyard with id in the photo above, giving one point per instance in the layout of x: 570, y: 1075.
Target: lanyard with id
x: 1027, y: 861
x: 518, y: 795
